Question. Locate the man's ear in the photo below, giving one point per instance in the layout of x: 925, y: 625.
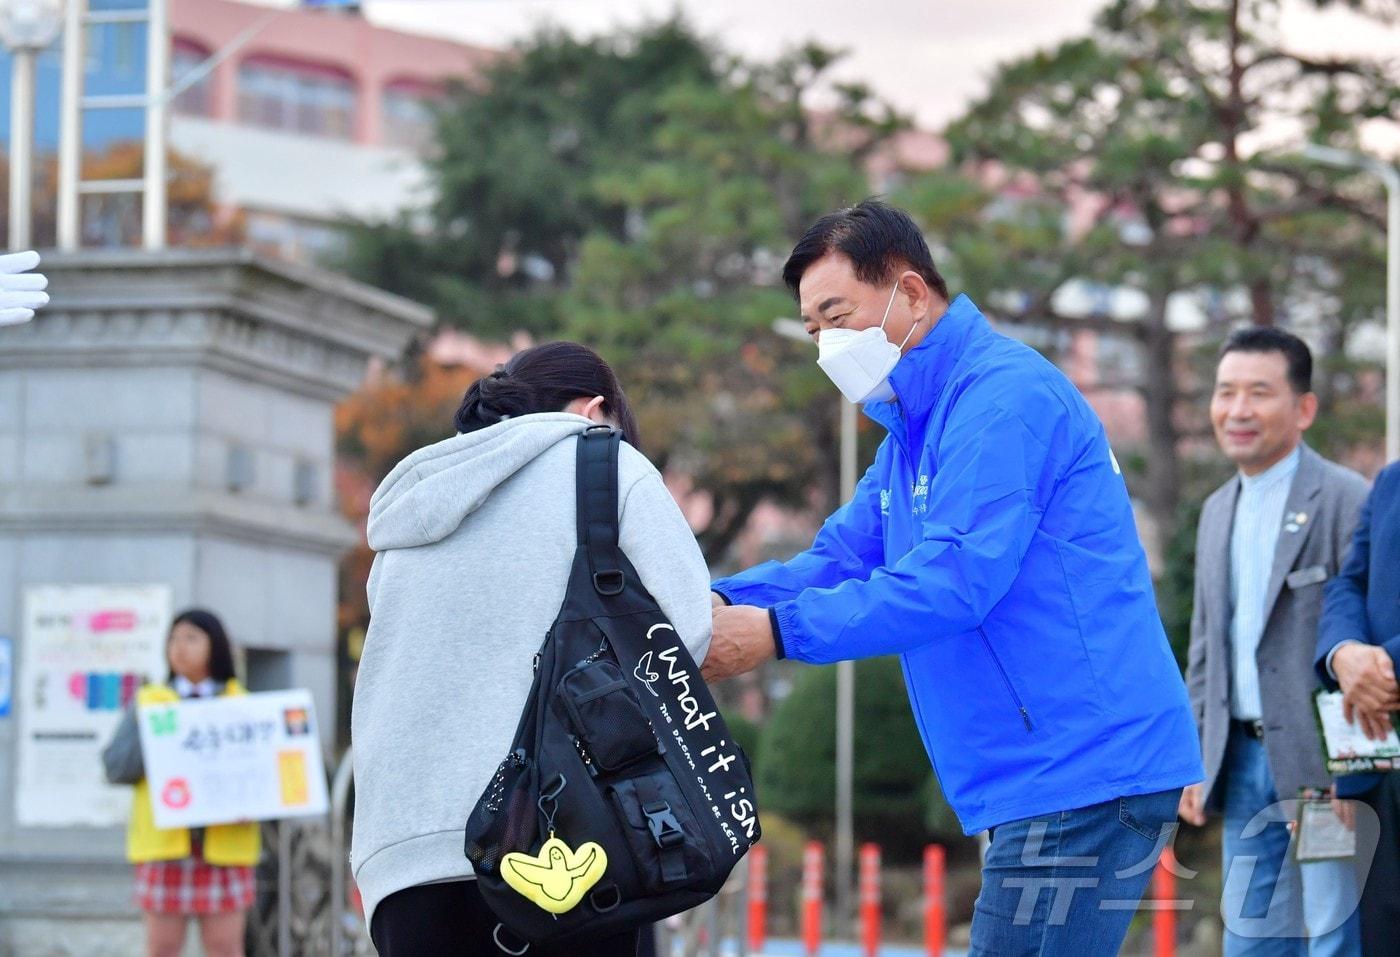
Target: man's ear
x: 920, y: 297
x: 1307, y: 411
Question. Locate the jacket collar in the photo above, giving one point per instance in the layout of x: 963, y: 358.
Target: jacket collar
x: 185, y: 688
x: 1299, y: 518
x: 1306, y: 482
x: 1285, y: 469
x: 1216, y: 535
x: 919, y: 377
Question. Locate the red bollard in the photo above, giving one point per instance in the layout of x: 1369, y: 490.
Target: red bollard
x: 1164, y: 894
x: 758, y: 897
x: 935, y: 916
x: 870, y: 899
x: 812, y: 898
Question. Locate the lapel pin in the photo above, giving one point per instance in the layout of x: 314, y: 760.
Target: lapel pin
x: 1290, y: 527
x: 1302, y: 518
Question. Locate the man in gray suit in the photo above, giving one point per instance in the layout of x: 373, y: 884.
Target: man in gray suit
x: 1267, y: 542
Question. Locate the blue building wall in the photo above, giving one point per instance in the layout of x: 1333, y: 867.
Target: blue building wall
x: 116, y: 65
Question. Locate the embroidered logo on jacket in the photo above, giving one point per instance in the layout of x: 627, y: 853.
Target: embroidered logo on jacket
x: 918, y: 493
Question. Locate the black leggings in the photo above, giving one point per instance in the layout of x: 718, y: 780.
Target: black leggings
x: 451, y: 920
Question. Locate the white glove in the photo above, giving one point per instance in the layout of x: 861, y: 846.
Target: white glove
x: 21, y: 291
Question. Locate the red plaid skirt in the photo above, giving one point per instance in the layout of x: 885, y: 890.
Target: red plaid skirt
x: 192, y: 885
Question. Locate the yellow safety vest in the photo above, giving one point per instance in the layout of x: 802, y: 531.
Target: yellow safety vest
x: 227, y: 845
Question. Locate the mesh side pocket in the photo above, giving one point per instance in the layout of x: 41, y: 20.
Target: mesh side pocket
x: 504, y: 818
x: 606, y: 716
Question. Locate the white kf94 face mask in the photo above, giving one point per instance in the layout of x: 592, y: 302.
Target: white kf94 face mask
x: 859, y: 362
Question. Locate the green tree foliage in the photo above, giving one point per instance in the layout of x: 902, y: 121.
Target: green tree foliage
x: 747, y: 734
x: 895, y: 804
x: 514, y: 176
x: 638, y: 193
x: 1153, y: 124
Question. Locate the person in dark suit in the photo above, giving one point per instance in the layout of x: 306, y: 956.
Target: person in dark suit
x: 1268, y: 540
x: 1358, y: 652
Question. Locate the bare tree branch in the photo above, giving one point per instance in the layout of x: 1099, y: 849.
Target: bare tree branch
x: 1325, y: 67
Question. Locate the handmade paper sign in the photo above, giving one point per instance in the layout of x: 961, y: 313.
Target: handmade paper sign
x: 252, y: 757
x: 1347, y: 748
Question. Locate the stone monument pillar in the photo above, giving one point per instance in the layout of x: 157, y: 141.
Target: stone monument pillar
x: 168, y: 420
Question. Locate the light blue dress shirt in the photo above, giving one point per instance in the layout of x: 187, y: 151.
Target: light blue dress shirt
x: 1253, y: 540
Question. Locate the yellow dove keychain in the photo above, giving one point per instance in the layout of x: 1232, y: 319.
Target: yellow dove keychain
x: 557, y: 878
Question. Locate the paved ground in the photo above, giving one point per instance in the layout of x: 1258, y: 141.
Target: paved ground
x: 794, y: 948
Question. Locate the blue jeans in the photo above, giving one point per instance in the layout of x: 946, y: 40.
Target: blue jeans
x: 1271, y: 905
x: 1069, y: 883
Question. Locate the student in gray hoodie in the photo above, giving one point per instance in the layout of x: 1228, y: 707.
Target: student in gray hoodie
x: 475, y: 537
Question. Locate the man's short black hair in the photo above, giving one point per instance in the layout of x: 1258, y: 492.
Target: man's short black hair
x: 1267, y: 339
x: 879, y: 240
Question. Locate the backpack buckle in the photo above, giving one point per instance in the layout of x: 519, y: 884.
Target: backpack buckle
x: 665, y: 829
x: 609, y: 582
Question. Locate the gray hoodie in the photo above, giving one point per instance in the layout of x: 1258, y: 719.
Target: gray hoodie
x: 475, y: 536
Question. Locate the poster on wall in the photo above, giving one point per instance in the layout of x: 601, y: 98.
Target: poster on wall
x: 84, y: 650
x: 254, y: 757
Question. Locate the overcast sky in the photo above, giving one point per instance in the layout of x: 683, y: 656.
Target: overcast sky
x: 925, y: 56
x: 928, y: 57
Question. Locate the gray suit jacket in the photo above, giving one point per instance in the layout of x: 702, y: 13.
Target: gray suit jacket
x: 1331, y: 497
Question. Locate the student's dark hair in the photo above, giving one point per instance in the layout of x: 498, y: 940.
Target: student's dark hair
x: 1295, y: 351
x: 879, y: 240
x: 545, y: 379
x: 220, y: 650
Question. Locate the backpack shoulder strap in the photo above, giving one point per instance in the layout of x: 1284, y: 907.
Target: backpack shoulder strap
x: 597, y: 508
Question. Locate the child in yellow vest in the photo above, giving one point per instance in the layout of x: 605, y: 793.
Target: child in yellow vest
x: 206, y: 873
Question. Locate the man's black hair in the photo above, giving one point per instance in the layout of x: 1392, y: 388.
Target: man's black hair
x: 1268, y: 339
x: 878, y: 239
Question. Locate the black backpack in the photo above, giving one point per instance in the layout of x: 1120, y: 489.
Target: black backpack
x: 624, y: 798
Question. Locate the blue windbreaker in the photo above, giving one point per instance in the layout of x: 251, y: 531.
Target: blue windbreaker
x: 992, y: 545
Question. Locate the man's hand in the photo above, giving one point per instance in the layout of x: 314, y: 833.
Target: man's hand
x: 716, y: 601
x: 21, y: 292
x: 742, y: 639
x: 1369, y: 690
x: 1344, y: 809
x: 1191, y: 808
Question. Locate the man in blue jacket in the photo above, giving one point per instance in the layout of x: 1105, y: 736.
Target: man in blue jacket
x: 1358, y: 651
x: 992, y: 546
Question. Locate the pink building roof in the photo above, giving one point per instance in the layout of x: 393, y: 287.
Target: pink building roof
x: 375, y: 58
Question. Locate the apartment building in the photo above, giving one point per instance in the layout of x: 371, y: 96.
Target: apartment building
x: 306, y: 116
